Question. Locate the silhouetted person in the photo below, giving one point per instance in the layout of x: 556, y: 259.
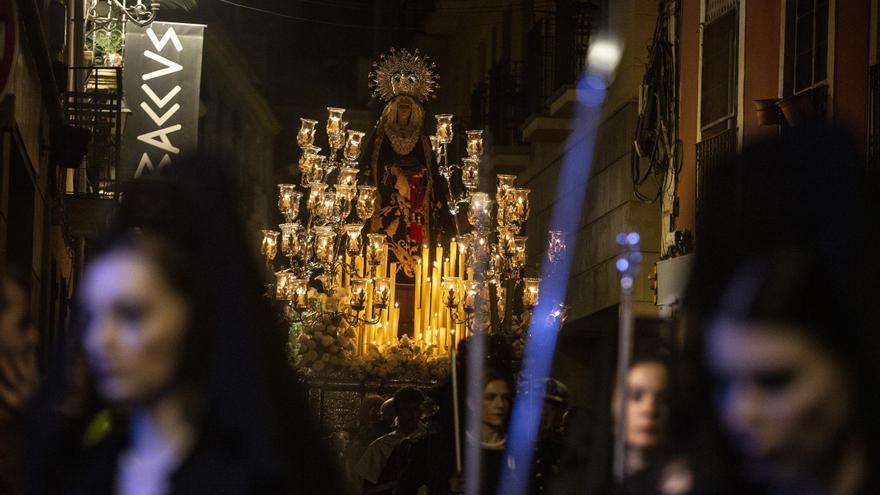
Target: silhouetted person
x: 779, y: 394
x: 183, y: 350
x: 378, y: 468
x: 19, y: 374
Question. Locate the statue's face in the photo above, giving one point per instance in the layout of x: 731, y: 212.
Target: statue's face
x: 404, y: 110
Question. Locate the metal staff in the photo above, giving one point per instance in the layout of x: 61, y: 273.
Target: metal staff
x: 628, y: 266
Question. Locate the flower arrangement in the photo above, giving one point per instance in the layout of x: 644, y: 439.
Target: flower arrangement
x: 325, y: 347
x: 325, y: 343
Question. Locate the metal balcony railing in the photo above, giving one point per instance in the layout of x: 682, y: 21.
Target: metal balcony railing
x: 505, y: 107
x: 556, y: 50
x: 95, y: 104
x: 874, y: 120
x: 712, y: 153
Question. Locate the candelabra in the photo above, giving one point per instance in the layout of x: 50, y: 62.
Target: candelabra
x: 323, y: 243
x: 500, y: 251
x: 327, y: 249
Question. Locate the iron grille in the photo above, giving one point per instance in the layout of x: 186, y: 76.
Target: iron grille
x: 505, y: 108
x: 96, y: 105
x: 712, y: 153
x: 556, y: 50
x: 717, y: 8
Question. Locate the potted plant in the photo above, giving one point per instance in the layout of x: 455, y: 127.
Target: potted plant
x: 767, y: 111
x: 805, y: 106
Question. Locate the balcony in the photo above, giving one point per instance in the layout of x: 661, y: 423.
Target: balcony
x: 556, y: 51
x: 712, y: 153
x: 95, y: 105
x: 93, y: 108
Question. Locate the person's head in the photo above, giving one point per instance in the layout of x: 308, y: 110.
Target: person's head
x: 408, y: 407
x: 137, y: 311
x: 784, y: 390
x: 161, y: 308
x: 647, y: 409
x: 17, y: 330
x: 387, y: 414
x: 498, y: 389
x: 369, y: 413
x: 779, y: 369
x: 555, y: 406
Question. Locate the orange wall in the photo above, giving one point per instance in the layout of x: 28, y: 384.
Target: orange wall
x: 689, y: 81
x: 851, y: 60
x: 761, y: 72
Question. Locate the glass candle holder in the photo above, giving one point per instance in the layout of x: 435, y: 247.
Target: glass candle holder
x: 471, y: 290
x: 347, y: 177
x: 299, y: 290
x: 474, y: 143
x: 353, y: 238
x: 284, y: 286
x: 337, y: 139
x: 327, y: 207
x: 352, y: 150
x: 366, y: 202
x: 286, y: 197
x: 479, y: 210
x: 444, y: 128
x: 530, y: 292
x: 316, y: 196
x: 470, y: 173
x: 344, y: 195
x: 269, y: 246
x: 505, y: 183
x: 334, y: 120
x: 325, y: 238
x: 518, y: 205
x: 317, y: 168
x: 305, y: 161
x: 288, y: 232
x: 556, y: 246
x: 375, y: 248
x: 451, y: 295
x: 435, y: 143
x: 518, y: 252
x: 381, y: 292
x: 306, y: 135
x: 358, y: 298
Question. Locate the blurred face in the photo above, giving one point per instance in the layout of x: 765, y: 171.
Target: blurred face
x: 781, y: 398
x: 646, y: 409
x: 17, y: 332
x: 135, y: 326
x: 496, y: 403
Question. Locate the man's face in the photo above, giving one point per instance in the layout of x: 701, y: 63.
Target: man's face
x: 17, y: 332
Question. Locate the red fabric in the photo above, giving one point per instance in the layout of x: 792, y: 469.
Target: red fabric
x: 416, y: 196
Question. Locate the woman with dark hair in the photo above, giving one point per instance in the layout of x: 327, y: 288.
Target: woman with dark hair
x: 432, y: 457
x: 779, y: 390
x: 646, y: 427
x: 183, y: 350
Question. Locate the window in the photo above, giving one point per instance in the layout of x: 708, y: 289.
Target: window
x: 719, y: 68
x: 806, y: 45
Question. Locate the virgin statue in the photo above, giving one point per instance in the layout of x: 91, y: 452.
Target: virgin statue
x: 412, y: 207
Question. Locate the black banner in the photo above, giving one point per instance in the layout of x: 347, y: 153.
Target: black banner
x: 162, y: 76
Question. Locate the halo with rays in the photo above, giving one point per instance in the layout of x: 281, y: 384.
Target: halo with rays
x: 403, y: 72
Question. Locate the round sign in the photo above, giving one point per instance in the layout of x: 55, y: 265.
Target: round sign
x: 8, y: 44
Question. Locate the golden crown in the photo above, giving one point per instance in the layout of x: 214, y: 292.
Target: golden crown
x: 401, y: 72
